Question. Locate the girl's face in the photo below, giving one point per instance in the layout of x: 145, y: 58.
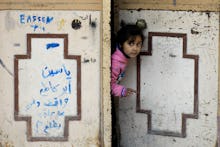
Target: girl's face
x: 132, y: 46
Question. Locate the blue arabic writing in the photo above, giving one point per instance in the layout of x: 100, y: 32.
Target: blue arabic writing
x: 54, y: 97
x: 52, y: 124
x: 46, y: 72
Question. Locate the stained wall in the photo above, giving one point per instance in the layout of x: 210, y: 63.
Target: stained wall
x: 177, y: 89
x: 76, y: 32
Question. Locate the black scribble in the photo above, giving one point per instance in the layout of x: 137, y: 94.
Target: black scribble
x: 3, y: 65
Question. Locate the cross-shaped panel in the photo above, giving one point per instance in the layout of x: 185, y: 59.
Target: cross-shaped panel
x: 167, y: 84
x: 47, y: 87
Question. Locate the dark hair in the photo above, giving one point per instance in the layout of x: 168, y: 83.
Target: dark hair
x: 128, y: 31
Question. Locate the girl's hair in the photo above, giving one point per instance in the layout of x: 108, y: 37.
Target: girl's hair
x: 128, y: 31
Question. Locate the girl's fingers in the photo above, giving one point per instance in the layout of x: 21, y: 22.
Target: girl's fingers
x: 131, y: 91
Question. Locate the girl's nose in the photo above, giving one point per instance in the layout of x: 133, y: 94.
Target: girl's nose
x: 135, y: 47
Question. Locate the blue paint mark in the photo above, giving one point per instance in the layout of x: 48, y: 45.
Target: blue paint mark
x: 35, y: 22
x: 56, y: 102
x: 38, y: 124
x: 37, y: 27
x: 24, y: 19
x: 49, y: 19
x: 67, y: 72
x: 34, y: 18
x: 59, y: 113
x: 51, y: 125
x: 45, y: 129
x: 52, y: 45
x: 54, y: 96
x: 34, y: 27
x: 52, y: 113
x: 29, y: 19
x: 67, y: 88
x: 46, y: 72
x: 66, y: 100
x: 52, y: 103
x: 43, y: 28
x: 50, y: 88
x: 51, y: 72
x: 33, y: 103
x: 48, y: 113
x: 38, y: 104
x: 44, y: 89
x: 61, y: 102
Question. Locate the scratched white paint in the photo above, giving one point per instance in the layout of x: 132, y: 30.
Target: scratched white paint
x: 84, y: 42
x: 47, y: 87
x: 164, y: 88
x: 169, y: 92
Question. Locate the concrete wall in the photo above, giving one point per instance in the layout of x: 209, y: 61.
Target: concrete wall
x: 209, y: 11
x: 153, y: 117
x: 66, y: 26
x: 156, y: 116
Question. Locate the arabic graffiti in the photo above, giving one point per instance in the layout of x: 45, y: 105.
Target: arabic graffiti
x: 54, y: 96
x: 46, y: 72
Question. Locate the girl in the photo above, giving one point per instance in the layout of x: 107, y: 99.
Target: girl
x: 129, y: 43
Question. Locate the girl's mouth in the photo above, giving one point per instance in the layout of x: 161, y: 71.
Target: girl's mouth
x: 134, y: 53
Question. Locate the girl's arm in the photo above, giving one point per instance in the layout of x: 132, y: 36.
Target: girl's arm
x: 116, y: 89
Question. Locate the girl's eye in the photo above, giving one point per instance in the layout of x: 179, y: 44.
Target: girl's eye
x: 131, y: 43
x: 139, y: 45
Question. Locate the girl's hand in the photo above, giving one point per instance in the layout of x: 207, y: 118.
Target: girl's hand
x: 130, y: 92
